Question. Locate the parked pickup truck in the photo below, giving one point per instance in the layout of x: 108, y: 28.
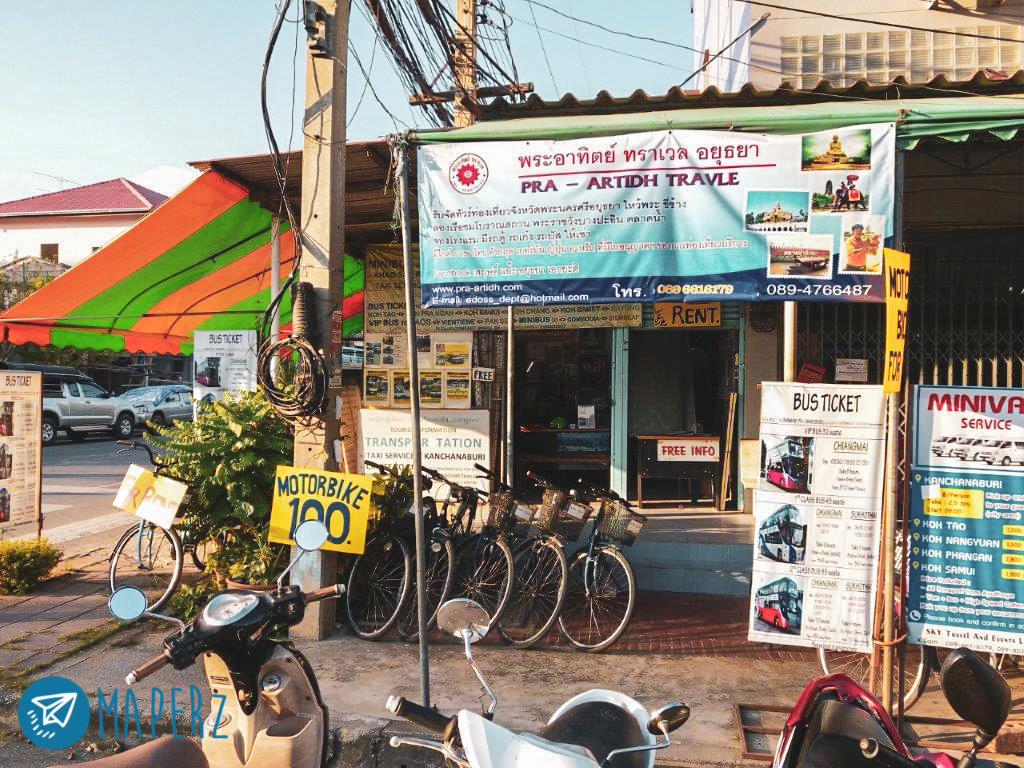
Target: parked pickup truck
x: 78, y: 405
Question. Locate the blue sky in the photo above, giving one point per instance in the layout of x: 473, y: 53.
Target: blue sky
x: 97, y: 90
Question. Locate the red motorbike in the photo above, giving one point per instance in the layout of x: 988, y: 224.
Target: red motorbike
x: 838, y: 724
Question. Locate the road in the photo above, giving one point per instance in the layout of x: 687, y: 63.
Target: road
x: 79, y: 483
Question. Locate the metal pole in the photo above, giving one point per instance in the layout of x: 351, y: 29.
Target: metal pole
x: 275, y: 283
x: 789, y: 341
x: 509, y: 379
x: 401, y: 158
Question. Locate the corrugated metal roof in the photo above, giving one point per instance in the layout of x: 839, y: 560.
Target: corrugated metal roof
x: 985, y: 82
x: 114, y: 196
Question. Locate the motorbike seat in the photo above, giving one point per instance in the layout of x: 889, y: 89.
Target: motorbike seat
x: 600, y: 727
x: 833, y: 736
x: 165, y: 752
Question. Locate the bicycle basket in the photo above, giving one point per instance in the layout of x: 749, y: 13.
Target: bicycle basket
x: 562, y: 515
x: 620, y: 523
x: 501, y: 506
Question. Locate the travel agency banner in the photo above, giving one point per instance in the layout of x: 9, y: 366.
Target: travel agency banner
x: 966, y: 535
x: 817, y: 515
x: 666, y: 215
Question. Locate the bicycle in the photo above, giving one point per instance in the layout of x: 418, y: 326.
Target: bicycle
x: 601, y: 593
x: 148, y: 556
x: 440, y: 554
x: 483, y: 560
x: 540, y: 571
x: 380, y: 578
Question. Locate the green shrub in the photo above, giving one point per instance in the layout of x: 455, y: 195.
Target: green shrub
x: 24, y: 564
x: 188, y: 599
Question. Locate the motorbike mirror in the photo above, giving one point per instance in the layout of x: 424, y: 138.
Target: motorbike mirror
x: 311, y: 535
x: 463, y: 618
x: 668, y: 718
x: 128, y: 603
x: 977, y: 692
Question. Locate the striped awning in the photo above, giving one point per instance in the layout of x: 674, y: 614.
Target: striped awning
x: 201, y: 261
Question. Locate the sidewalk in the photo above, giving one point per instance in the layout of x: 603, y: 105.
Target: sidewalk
x: 686, y: 647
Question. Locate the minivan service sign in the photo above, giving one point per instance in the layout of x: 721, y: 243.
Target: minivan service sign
x: 966, y: 555
x: 656, y: 216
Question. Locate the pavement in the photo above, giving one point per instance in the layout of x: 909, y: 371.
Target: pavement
x: 686, y: 647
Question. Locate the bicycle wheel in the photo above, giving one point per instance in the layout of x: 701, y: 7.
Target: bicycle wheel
x: 378, y: 584
x: 917, y: 668
x: 539, y: 582
x: 439, y: 576
x: 200, y: 551
x: 598, y: 608
x: 148, y: 557
x: 483, y: 572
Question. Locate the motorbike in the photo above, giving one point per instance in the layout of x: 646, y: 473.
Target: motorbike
x: 838, y: 724
x: 267, y: 708
x: 595, y: 728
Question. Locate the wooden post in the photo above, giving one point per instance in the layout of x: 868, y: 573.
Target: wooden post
x: 465, y: 61
x: 322, y: 218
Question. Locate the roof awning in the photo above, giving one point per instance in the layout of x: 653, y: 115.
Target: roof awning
x: 947, y: 118
x: 201, y: 261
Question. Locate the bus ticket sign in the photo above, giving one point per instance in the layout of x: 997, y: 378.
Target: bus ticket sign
x: 339, y: 501
x: 817, y: 515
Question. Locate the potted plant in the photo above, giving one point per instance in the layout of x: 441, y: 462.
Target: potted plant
x: 229, y: 456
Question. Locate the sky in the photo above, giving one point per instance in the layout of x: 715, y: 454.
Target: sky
x: 101, y: 89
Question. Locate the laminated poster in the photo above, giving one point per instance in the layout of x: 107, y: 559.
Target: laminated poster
x: 456, y: 389
x: 966, y: 547
x: 225, y: 361
x: 20, y: 447
x: 817, y: 514
x: 376, y: 387
x: 430, y: 388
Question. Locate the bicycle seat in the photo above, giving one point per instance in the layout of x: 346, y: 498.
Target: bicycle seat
x: 600, y: 727
x: 165, y: 752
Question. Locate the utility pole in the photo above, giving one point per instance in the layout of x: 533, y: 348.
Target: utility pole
x: 466, y: 94
x: 322, y: 219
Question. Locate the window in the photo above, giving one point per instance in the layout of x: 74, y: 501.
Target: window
x: 918, y: 55
x: 71, y: 389
x: 91, y: 390
x: 48, y: 252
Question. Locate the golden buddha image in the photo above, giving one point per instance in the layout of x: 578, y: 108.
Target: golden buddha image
x: 845, y: 150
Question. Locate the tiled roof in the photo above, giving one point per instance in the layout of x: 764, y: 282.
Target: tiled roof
x: 114, y: 196
x: 983, y: 83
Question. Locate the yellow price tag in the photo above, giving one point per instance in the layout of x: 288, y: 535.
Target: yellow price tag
x: 341, y: 502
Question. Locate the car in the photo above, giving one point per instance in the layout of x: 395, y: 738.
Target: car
x: 965, y: 448
x: 941, y: 446
x: 161, y: 404
x: 1003, y: 452
x: 76, y: 404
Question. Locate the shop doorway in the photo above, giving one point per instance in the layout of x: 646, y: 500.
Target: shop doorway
x: 680, y: 383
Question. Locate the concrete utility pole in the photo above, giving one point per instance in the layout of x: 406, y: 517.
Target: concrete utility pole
x: 322, y: 219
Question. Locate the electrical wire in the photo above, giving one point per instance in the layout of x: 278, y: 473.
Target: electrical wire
x: 544, y: 50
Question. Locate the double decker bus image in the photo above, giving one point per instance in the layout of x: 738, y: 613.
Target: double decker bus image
x: 780, y: 604
x: 783, y: 535
x: 787, y: 463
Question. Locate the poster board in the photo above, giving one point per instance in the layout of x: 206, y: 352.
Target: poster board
x: 21, y: 448
x: 966, y: 557
x: 452, y: 441
x: 342, y: 502
x: 817, y: 515
x: 224, y: 361
x: 154, y: 498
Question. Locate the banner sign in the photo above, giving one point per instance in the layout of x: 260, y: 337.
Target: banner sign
x: 665, y: 215
x: 676, y: 314
x: 966, y: 553
x: 688, y: 449
x: 817, y: 515
x: 452, y: 441
x: 154, y: 498
x: 385, y: 307
x: 341, y: 502
x: 897, y: 289
x: 21, y: 447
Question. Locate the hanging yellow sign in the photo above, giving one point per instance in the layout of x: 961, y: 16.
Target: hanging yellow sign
x: 676, y: 314
x: 897, y: 288
x: 341, y: 502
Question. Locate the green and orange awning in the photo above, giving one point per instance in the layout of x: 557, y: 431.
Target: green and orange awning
x: 201, y: 261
